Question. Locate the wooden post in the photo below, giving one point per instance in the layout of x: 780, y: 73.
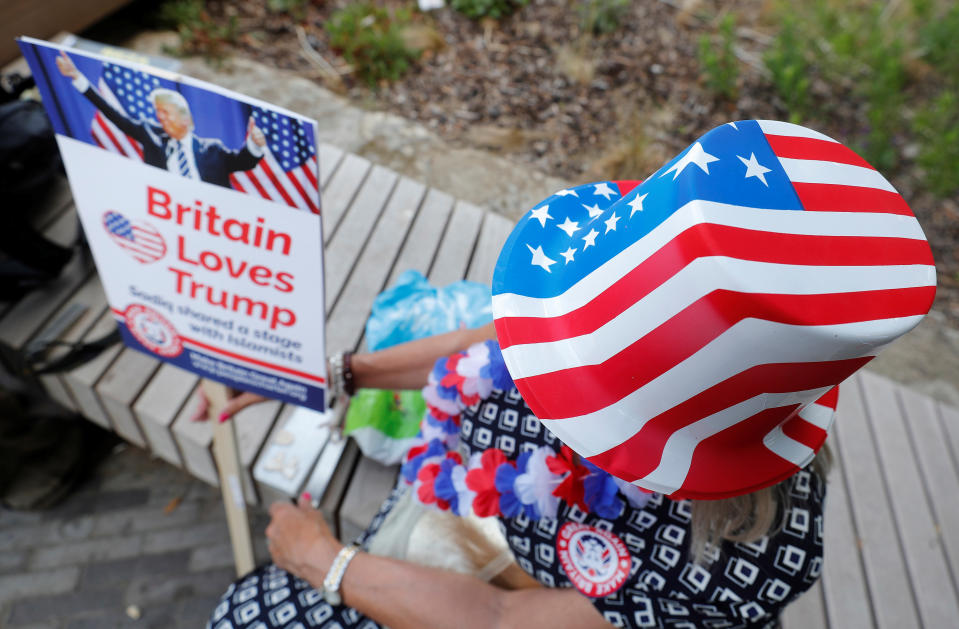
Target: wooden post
x: 227, y: 456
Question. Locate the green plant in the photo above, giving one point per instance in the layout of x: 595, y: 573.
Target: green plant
x: 601, y: 16
x: 198, y: 33
x: 487, y: 8
x: 937, y: 126
x: 937, y: 39
x: 293, y: 7
x: 370, y: 38
x: 790, y: 71
x: 719, y: 63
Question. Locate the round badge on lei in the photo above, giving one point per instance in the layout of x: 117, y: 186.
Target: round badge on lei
x: 596, y: 561
x: 152, y: 330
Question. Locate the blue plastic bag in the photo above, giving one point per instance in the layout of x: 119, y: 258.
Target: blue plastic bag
x: 413, y: 309
x: 384, y: 423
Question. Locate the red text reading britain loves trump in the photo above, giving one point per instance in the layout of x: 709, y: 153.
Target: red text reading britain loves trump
x: 205, y: 219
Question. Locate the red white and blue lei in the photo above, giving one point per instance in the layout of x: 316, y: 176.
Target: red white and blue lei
x: 490, y: 484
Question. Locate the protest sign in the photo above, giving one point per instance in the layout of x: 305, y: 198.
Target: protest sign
x: 202, y: 210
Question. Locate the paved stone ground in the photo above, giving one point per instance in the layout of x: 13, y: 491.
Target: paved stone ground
x: 113, y: 544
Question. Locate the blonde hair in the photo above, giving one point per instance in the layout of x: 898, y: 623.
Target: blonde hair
x: 744, y: 518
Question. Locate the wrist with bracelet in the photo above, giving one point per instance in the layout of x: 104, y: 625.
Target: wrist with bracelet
x: 334, y: 577
x: 341, y: 382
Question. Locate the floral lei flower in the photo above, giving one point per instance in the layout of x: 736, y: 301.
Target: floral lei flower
x: 489, y: 483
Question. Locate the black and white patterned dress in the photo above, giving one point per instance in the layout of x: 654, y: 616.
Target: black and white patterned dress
x: 632, y: 562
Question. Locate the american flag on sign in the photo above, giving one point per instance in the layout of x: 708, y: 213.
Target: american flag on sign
x: 286, y: 174
x: 687, y: 334
x: 140, y: 240
x: 288, y: 171
x: 127, y: 91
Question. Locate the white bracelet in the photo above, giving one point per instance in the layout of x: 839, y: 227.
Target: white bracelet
x: 334, y: 578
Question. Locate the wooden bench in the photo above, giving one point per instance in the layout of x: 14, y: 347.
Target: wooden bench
x: 892, y: 523
x: 376, y: 225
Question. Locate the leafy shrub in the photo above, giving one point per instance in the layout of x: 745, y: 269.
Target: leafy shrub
x: 487, y: 8
x: 198, y: 33
x: 937, y: 39
x: 870, y: 54
x: 937, y: 126
x: 790, y: 71
x: 295, y: 8
x: 601, y: 16
x: 719, y: 63
x: 370, y: 38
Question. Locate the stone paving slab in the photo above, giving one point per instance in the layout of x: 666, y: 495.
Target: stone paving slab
x: 116, y: 542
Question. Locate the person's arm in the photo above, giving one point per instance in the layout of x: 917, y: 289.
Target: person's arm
x: 401, y: 594
x: 404, y: 366
x: 82, y: 84
x: 247, y: 156
x: 408, y: 365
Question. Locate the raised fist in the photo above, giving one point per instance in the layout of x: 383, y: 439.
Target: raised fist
x: 66, y: 67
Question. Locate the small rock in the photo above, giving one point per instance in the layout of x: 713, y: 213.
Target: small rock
x: 656, y: 68
x: 133, y: 612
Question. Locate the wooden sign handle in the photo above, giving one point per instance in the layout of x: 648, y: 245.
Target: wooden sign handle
x: 227, y: 456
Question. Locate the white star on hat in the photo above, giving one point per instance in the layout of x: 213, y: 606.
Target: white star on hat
x: 611, y: 223
x: 568, y: 254
x: 569, y: 227
x: 590, y: 239
x: 566, y: 193
x: 601, y: 189
x: 540, y: 259
x: 695, y: 155
x: 593, y: 210
x: 541, y: 214
x: 754, y: 168
x: 636, y: 203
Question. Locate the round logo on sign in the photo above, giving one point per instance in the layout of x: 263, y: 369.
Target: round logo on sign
x: 596, y: 561
x: 152, y: 330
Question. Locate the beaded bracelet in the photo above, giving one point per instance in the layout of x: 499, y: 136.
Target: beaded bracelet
x: 341, y: 381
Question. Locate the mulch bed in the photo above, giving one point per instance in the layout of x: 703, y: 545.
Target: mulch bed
x: 534, y: 88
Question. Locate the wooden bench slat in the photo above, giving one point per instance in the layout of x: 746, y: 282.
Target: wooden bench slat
x: 340, y: 191
x: 949, y: 420
x: 939, y: 473
x: 456, y: 246
x: 845, y: 594
x: 90, y: 295
x: 289, y: 453
x: 424, y: 237
x: 119, y: 388
x: 343, y: 251
x: 158, y: 406
x: 807, y: 612
x: 886, y: 576
x: 253, y: 424
x: 922, y: 545
x: 81, y: 380
x: 330, y: 158
x: 195, y: 441
x: 496, y: 229
x: 345, y: 325
x: 370, y: 484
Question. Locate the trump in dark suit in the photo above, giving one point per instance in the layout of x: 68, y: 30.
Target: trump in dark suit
x: 171, y: 144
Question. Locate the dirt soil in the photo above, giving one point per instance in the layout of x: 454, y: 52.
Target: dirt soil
x: 582, y: 107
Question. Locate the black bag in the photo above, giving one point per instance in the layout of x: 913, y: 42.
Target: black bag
x: 29, y: 160
x: 44, y: 452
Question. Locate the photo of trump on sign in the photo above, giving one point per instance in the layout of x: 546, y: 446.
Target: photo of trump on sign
x: 202, y: 211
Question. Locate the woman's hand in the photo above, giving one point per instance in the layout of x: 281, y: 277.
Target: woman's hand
x: 300, y: 541
x: 234, y: 406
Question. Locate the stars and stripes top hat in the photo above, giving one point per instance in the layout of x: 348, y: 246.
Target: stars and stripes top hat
x: 688, y: 333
